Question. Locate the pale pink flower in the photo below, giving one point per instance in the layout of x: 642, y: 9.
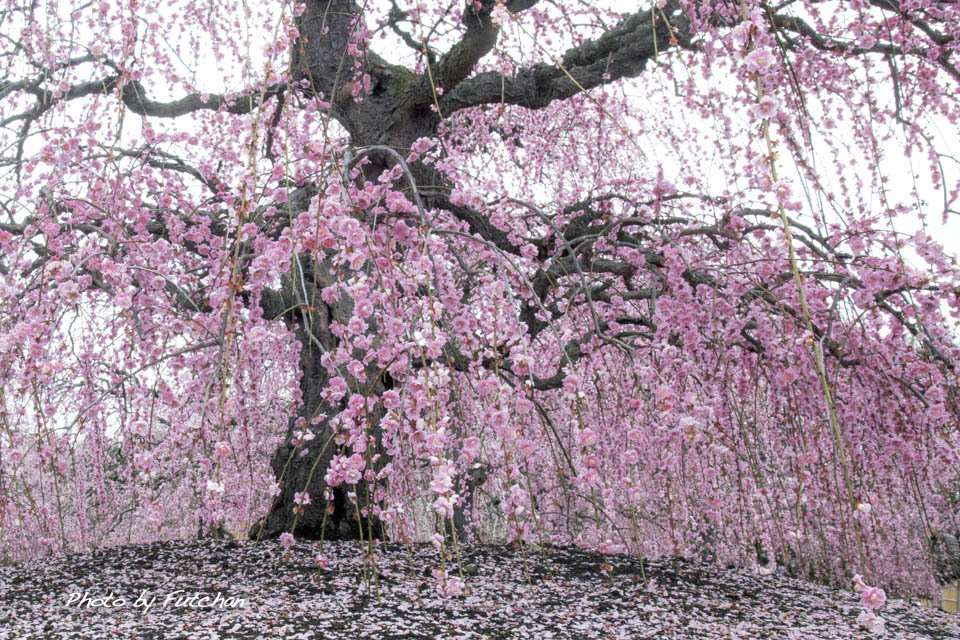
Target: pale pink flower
x: 590, y: 478
x: 524, y: 406
x: 741, y: 34
x: 222, y: 449
x: 872, y: 622
x: 873, y: 597
x: 352, y: 476
x: 499, y: 16
x: 760, y: 61
x: 442, y: 481
x: 527, y: 447
x: 766, y: 107
x: 397, y: 203
x: 452, y: 587
x: 459, y: 198
x: 487, y: 386
x: 422, y: 145
x: 287, y: 540
x: 248, y: 231
x: 499, y: 419
x: 587, y: 438
x: 301, y: 499
x: 391, y: 399
x: 443, y: 505
x: 571, y: 383
x: 302, y: 437
x: 471, y: 446
x: 783, y: 191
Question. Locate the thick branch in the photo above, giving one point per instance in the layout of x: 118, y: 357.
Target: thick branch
x: 621, y: 52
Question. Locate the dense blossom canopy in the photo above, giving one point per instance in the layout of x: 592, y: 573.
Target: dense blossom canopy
x: 655, y: 278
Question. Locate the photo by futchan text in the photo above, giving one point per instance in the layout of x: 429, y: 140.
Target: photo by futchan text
x: 146, y: 600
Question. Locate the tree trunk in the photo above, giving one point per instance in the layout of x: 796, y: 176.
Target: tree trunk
x: 302, y: 469
x: 388, y: 116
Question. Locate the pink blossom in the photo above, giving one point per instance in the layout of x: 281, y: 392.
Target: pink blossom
x: 499, y: 16
x: 287, y: 540
x: 741, y: 34
x: 499, y: 419
x: 352, y: 475
x: 766, y: 107
x: 760, y: 61
x: 526, y: 447
x: 459, y: 198
x: 391, y: 399
x: 571, y: 383
x: 872, y: 622
x: 783, y: 191
x: 422, y: 145
x: 443, y: 505
x: 397, y: 202
x: 487, y: 386
x: 451, y: 587
x: 587, y: 438
x: 873, y: 597
x: 589, y: 478
x: 364, y: 309
x: 302, y: 437
x: 301, y: 499
x: 471, y: 446
x: 442, y: 481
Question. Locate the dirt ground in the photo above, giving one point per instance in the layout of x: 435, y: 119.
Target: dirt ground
x: 231, y: 590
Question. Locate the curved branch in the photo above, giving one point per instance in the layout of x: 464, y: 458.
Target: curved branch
x: 621, y: 52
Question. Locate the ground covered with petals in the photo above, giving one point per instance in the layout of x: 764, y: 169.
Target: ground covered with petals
x: 553, y: 594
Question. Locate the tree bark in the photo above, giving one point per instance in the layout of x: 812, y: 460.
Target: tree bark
x: 302, y: 469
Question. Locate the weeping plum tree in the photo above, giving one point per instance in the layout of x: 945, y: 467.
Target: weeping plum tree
x: 656, y: 278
